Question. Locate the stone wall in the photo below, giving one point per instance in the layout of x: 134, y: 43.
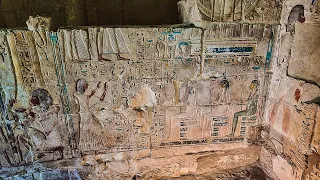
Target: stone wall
x: 138, y: 97
x: 292, y: 109
x: 208, y: 102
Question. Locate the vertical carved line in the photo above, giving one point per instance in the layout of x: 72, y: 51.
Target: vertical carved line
x: 202, y: 52
x: 233, y: 9
x: 222, y: 10
x: 212, y: 9
x: 57, y: 45
x: 242, y: 10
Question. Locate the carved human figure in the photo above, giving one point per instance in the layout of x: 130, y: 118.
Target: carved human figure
x: 47, y: 117
x: 161, y: 50
x: 8, y: 142
x: 91, y: 123
x: 39, y: 23
x: 183, y: 52
x: 39, y: 127
x: 189, y: 11
x: 252, y: 105
x: 188, y: 96
x: 113, y: 43
x: 225, y: 85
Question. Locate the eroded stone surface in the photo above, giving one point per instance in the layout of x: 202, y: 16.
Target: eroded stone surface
x: 189, y: 11
x: 305, y: 62
x: 231, y: 10
x: 114, y: 90
x: 292, y: 108
x: 160, y: 102
x: 39, y: 23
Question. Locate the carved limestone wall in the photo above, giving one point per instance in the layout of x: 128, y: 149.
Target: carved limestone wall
x: 162, y: 102
x: 131, y: 93
x: 292, y: 108
x: 267, y: 11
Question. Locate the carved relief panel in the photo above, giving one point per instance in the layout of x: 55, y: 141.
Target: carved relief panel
x: 237, y: 10
x: 118, y: 89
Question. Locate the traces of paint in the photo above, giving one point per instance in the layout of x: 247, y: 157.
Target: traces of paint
x: 256, y: 68
x: 171, y: 34
x: 297, y: 95
x: 274, y: 111
x: 183, y: 43
x: 60, y: 73
x: 314, y: 1
x: 2, y: 67
x: 54, y: 39
x: 176, y: 86
x: 37, y: 175
x: 286, y: 118
x: 41, y: 97
x: 218, y: 50
x: 74, y: 175
x: 171, y: 37
x: 270, y: 49
x: 225, y: 83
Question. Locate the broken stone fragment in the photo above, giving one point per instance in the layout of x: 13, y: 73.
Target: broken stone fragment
x: 144, y: 98
x: 104, y: 158
x: 39, y: 23
x: 189, y: 11
x: 89, y: 160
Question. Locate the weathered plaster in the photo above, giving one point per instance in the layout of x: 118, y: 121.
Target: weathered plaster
x: 165, y: 102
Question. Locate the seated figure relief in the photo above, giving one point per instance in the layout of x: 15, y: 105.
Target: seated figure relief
x: 38, y: 129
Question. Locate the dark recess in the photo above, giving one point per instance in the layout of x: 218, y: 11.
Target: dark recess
x: 14, y: 13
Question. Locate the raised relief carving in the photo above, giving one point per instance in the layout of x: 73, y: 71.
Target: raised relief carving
x: 237, y: 10
x: 117, y: 89
x: 112, y: 44
x: 25, y: 59
x: 221, y: 10
x: 39, y: 23
x: 92, y: 135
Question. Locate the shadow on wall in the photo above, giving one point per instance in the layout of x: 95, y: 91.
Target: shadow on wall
x: 296, y: 15
x: 14, y: 13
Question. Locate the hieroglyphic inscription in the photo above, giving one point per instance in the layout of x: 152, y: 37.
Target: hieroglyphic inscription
x: 118, y: 89
x: 25, y: 59
x: 246, y: 122
x: 218, y: 122
x: 315, y: 173
x: 229, y: 102
x: 113, y: 81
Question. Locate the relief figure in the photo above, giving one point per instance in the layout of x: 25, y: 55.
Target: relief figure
x: 225, y: 85
x: 252, y: 106
x: 39, y: 127
x: 113, y: 43
x: 92, y: 134
x: 221, y: 10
